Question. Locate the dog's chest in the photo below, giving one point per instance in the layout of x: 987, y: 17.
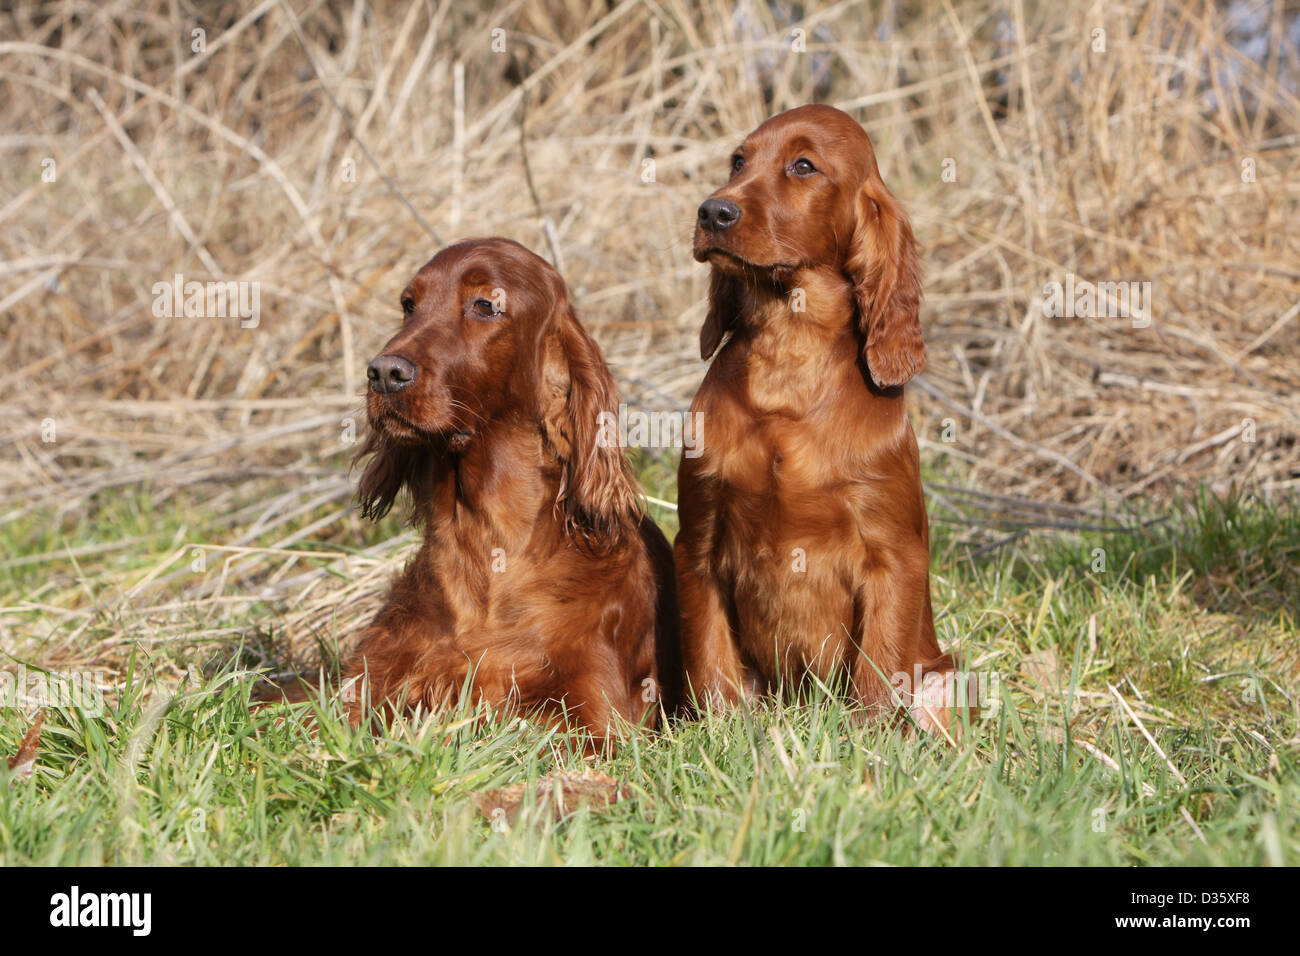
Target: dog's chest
x: 799, y: 486
x: 787, y: 493
x: 784, y: 443
x: 789, y: 545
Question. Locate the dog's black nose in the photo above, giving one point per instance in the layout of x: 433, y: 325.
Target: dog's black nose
x: 718, y: 214
x: 390, y: 373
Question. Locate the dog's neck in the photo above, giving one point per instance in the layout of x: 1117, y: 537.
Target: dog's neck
x: 800, y: 343
x: 486, y: 514
x: 493, y: 493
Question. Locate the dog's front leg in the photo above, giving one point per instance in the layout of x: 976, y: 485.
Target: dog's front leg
x: 887, y: 671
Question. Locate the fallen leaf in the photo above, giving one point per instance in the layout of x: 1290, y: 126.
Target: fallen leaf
x: 24, y: 762
x: 557, y: 794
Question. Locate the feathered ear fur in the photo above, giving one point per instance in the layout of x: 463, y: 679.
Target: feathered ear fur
x: 886, y: 274
x: 391, y: 468
x: 598, y: 495
x: 726, y: 300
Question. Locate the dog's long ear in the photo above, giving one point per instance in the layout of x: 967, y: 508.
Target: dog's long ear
x: 391, y: 468
x: 886, y: 274
x: 726, y: 302
x: 598, y: 495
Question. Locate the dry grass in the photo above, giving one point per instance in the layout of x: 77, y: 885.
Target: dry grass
x: 229, y: 164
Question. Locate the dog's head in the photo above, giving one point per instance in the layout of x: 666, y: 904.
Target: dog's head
x: 805, y: 193
x: 488, y: 335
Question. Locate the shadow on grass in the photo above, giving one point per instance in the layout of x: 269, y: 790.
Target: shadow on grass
x: 1242, y: 553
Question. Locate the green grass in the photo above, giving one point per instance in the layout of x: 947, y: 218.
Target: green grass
x: 1192, y: 624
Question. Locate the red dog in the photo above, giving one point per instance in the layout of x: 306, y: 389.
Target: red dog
x: 804, y: 544
x: 539, y: 582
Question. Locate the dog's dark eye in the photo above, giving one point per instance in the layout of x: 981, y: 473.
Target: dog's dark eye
x: 408, y: 304
x: 803, y: 167
x: 737, y: 163
x: 483, y: 308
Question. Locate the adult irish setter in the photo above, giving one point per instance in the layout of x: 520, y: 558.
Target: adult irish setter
x: 804, y: 543
x: 539, y: 585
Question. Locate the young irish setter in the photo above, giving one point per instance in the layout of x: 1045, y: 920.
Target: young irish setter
x: 539, y: 583
x: 804, y: 544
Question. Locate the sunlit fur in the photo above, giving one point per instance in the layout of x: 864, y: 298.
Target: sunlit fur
x: 538, y: 573
x: 804, y: 544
